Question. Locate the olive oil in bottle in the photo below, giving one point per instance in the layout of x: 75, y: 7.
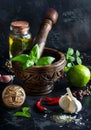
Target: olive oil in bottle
x: 19, y: 38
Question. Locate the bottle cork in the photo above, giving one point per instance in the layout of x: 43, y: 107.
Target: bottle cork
x: 19, y: 27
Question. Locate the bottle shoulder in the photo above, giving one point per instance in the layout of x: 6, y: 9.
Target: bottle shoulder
x: 27, y: 36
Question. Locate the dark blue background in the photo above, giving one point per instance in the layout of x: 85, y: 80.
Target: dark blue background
x: 73, y: 28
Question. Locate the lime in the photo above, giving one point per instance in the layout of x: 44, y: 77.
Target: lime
x: 78, y: 75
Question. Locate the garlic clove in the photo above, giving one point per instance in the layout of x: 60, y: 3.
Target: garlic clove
x: 72, y: 107
x: 6, y: 78
x: 64, y: 102
x: 78, y: 105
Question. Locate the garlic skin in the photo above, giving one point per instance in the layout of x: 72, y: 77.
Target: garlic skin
x: 69, y: 103
x: 78, y: 105
x: 6, y: 78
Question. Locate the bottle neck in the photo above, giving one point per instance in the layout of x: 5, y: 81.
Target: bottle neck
x: 19, y: 31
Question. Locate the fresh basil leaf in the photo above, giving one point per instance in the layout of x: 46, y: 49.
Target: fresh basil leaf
x: 71, y: 58
x: 18, y: 114
x: 66, y: 69
x: 27, y: 114
x: 45, y: 61
x: 27, y: 64
x: 69, y: 65
x: 70, y: 51
x: 79, y: 61
x: 77, y: 53
x: 22, y: 58
x: 23, y: 114
x: 35, y: 53
x: 24, y: 109
x: 67, y: 56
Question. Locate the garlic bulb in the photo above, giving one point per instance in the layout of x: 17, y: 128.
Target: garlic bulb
x: 69, y: 103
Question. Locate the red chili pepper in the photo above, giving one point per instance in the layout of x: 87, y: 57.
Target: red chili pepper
x: 52, y: 101
x: 39, y: 106
x: 51, y: 98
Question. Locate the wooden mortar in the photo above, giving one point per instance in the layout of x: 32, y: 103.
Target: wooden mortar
x: 39, y: 80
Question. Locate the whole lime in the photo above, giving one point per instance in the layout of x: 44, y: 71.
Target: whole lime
x: 78, y: 75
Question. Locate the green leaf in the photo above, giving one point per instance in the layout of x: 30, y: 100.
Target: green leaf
x: 22, y: 58
x: 26, y: 114
x: 18, y: 114
x: 27, y: 64
x: 79, y: 61
x: 24, y: 109
x: 77, y: 53
x: 70, y: 51
x: 45, y: 61
x: 69, y: 65
x: 67, y: 56
x: 71, y: 58
x: 66, y: 69
x: 35, y: 53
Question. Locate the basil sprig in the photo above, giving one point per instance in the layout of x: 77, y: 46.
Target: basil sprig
x: 72, y: 58
x: 33, y: 58
x: 23, y: 113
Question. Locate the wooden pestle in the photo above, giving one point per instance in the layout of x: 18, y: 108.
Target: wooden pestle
x: 50, y: 18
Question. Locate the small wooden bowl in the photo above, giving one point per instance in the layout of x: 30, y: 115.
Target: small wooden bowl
x: 39, y: 80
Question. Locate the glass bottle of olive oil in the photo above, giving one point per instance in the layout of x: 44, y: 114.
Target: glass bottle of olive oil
x: 19, y: 38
